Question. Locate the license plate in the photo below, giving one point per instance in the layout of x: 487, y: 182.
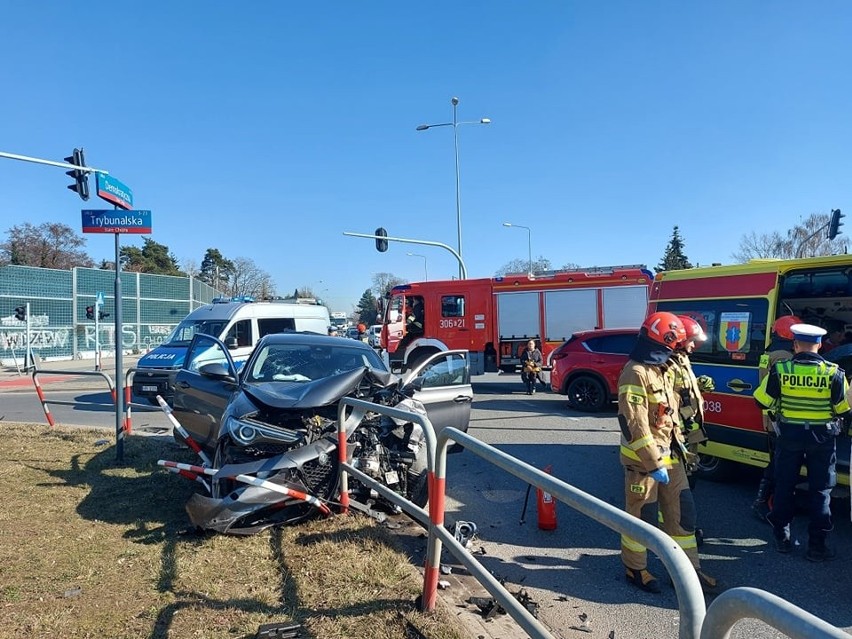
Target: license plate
x: 149, y: 389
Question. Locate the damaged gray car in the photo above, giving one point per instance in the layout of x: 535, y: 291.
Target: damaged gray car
x: 267, y: 434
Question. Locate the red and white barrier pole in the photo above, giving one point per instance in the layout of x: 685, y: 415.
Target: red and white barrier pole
x: 44, y: 405
x: 182, y: 431
x: 254, y: 481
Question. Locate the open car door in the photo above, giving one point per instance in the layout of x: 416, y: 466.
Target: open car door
x: 443, y: 386
x: 203, y: 387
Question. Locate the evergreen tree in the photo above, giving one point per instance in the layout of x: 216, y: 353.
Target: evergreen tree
x: 216, y: 270
x: 153, y: 257
x: 368, y: 308
x: 674, y: 258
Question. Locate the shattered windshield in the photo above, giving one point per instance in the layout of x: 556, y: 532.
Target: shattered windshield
x: 306, y: 363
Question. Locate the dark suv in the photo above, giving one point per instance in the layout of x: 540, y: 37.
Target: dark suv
x: 586, y: 367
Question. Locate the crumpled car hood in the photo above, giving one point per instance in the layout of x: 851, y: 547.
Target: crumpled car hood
x: 322, y: 392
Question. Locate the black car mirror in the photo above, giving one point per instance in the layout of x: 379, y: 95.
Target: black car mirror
x: 216, y: 370
x: 415, y: 384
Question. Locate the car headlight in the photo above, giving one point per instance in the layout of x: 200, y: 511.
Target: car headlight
x: 240, y: 431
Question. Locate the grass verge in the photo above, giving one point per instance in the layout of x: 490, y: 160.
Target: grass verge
x: 90, y: 548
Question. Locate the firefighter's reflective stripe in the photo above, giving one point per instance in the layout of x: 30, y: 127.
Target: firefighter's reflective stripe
x: 631, y: 454
x: 805, y: 392
x: 686, y: 541
x: 642, y: 441
x: 633, y: 393
x: 631, y: 544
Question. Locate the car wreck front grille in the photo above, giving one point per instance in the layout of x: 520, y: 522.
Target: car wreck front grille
x: 320, y: 479
x: 264, y: 450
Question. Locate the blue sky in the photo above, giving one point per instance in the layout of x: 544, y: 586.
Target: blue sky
x: 267, y: 129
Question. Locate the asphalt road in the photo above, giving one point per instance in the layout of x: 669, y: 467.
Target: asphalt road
x: 574, y: 569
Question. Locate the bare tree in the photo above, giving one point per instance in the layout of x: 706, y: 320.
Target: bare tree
x: 190, y: 267
x: 809, y: 238
x: 384, y: 282
x: 48, y: 245
x: 248, y: 279
x: 522, y: 266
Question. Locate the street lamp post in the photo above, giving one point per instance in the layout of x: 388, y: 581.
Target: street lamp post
x: 425, y: 270
x: 529, y: 241
x: 455, y: 124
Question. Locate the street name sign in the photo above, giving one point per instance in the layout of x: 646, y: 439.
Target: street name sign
x: 114, y: 191
x: 113, y: 221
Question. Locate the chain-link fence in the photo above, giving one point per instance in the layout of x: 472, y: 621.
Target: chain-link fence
x: 152, y: 305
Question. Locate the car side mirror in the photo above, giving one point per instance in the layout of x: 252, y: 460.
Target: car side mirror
x: 216, y: 370
x: 415, y: 384
x: 232, y: 343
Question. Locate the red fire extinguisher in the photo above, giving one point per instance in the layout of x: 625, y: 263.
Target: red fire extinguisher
x: 546, y: 507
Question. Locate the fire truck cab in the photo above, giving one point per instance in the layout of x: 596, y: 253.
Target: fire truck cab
x: 494, y: 318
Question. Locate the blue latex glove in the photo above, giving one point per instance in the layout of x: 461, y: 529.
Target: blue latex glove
x: 661, y: 475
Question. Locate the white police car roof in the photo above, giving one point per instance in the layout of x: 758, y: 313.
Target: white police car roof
x: 807, y: 332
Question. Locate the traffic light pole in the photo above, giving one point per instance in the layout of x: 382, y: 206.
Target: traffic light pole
x: 97, y: 337
x: 462, y: 267
x: 119, y: 364
x: 64, y: 165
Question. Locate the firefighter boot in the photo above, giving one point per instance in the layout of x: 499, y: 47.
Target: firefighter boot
x: 642, y: 579
x: 708, y: 584
x: 760, y: 506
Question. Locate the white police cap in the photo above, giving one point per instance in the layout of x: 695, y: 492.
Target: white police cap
x: 807, y: 333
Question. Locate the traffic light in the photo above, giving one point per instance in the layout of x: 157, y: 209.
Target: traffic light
x: 102, y: 315
x: 90, y: 312
x: 81, y: 178
x: 834, y: 223
x: 21, y: 313
x: 381, y: 243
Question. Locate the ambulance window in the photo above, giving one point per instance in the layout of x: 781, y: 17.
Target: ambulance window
x: 452, y: 306
x: 736, y: 329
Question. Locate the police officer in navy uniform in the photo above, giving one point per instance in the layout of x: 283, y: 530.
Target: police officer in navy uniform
x: 808, y: 398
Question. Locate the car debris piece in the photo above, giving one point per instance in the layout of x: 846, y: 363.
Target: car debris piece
x: 464, y: 532
x: 584, y: 625
x: 488, y: 606
x: 73, y: 592
x: 446, y: 570
x: 443, y: 584
x: 527, y: 602
x: 279, y: 631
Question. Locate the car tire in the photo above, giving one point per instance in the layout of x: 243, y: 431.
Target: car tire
x: 586, y: 393
x: 714, y: 469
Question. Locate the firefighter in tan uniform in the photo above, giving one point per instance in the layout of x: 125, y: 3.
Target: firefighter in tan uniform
x: 655, y: 481
x: 690, y: 389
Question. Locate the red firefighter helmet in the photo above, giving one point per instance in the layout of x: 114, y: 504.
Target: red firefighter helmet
x: 664, y: 329
x: 782, y: 325
x: 694, y: 330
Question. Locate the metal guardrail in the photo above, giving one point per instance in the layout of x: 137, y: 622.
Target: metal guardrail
x: 434, y: 520
x: 687, y: 586
x: 751, y: 603
x: 40, y: 391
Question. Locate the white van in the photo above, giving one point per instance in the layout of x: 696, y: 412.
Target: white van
x: 374, y: 335
x: 238, y: 324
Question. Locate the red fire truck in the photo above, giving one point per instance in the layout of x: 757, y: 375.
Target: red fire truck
x: 494, y: 318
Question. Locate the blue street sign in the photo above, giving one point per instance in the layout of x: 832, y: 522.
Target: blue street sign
x: 116, y: 221
x: 100, y: 298
x: 114, y: 191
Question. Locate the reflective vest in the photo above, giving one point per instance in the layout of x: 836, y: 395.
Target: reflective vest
x: 805, y: 392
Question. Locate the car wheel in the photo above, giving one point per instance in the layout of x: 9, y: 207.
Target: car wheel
x: 220, y: 488
x: 714, y: 469
x: 586, y: 393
